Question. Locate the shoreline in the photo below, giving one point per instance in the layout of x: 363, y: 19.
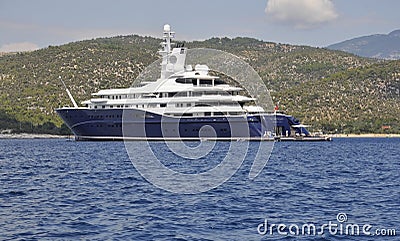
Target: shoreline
x: 365, y: 136
x: 50, y: 136
x: 34, y: 136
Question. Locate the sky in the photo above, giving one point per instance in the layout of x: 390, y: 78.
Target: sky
x: 34, y: 24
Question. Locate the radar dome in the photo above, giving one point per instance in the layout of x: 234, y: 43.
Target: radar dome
x: 167, y: 28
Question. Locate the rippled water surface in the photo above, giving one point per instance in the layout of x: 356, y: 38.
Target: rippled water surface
x: 67, y: 190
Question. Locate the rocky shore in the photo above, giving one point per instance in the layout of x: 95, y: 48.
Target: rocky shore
x: 34, y: 136
x: 365, y: 135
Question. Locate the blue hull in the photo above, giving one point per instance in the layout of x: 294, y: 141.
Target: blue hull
x: 134, y: 124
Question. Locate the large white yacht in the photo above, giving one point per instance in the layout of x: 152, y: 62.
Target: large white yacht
x: 185, y: 103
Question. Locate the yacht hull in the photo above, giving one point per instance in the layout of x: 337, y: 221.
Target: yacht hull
x: 136, y: 124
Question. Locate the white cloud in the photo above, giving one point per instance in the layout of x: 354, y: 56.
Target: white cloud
x: 302, y: 14
x: 18, y: 47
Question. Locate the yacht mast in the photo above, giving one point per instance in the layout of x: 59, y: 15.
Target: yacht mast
x: 166, y: 50
x: 173, y: 59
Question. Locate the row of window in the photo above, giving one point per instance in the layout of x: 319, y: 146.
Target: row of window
x: 199, y: 82
x: 108, y: 106
x: 206, y: 114
x: 196, y: 130
x: 106, y: 116
x: 165, y: 130
x: 100, y: 125
x: 168, y: 95
x: 163, y: 105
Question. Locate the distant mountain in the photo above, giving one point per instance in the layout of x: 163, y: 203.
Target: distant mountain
x: 381, y: 46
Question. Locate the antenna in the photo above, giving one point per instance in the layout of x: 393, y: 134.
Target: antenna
x: 168, y: 35
x: 69, y: 93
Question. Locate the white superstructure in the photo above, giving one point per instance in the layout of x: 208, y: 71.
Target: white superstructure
x: 183, y: 91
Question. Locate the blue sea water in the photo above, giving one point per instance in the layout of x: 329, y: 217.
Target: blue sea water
x: 67, y: 190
